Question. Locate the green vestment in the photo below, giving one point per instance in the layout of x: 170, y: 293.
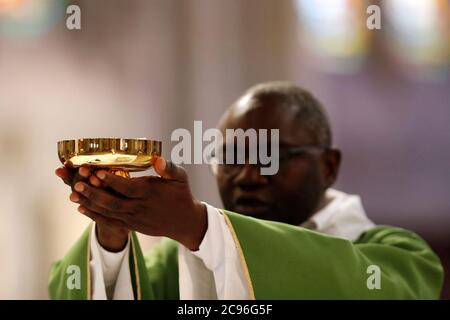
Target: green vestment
x: 281, y: 261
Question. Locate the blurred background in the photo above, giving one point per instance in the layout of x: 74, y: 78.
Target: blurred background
x: 142, y: 68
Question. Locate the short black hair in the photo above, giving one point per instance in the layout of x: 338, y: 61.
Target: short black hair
x: 311, y: 114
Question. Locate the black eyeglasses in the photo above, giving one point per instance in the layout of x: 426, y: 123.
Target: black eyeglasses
x: 285, y: 153
x: 235, y: 165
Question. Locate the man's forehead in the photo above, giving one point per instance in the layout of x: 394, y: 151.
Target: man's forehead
x: 250, y: 113
x: 241, y: 107
x: 261, y: 113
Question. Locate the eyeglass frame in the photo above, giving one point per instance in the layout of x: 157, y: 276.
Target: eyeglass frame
x: 291, y: 152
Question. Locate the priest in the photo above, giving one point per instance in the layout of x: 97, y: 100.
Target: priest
x: 283, y: 236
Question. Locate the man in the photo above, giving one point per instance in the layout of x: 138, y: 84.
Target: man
x: 285, y: 236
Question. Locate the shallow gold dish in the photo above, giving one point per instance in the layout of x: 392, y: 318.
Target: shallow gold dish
x: 111, y: 153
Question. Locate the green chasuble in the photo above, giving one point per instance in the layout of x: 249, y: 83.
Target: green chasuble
x: 281, y: 261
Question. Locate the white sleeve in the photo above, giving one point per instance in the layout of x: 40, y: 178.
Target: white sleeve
x: 110, y: 272
x: 218, y: 254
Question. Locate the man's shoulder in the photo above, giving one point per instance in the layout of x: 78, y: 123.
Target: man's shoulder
x: 384, y: 234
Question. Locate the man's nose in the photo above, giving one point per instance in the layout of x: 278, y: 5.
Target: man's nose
x: 250, y: 176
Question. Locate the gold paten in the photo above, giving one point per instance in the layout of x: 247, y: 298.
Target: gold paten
x: 117, y: 155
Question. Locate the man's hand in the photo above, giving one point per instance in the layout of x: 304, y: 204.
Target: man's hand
x: 152, y: 205
x: 111, y: 233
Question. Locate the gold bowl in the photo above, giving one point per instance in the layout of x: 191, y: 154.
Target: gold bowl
x: 116, y: 154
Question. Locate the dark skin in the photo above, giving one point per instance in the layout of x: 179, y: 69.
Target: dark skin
x: 164, y: 206
x: 154, y: 205
x: 112, y: 233
x: 298, y: 189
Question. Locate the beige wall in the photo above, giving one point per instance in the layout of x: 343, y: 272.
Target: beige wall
x: 143, y: 68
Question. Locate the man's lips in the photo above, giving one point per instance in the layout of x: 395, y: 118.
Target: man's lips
x: 252, y: 206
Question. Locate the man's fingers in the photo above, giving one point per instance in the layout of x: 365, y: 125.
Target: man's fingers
x: 91, y: 206
x: 69, y: 165
x: 64, y: 174
x: 95, y: 182
x: 129, y: 187
x: 81, y: 174
x: 90, y: 214
x: 70, y: 175
x: 104, y: 199
x: 100, y: 218
x: 84, y: 171
x: 169, y: 170
x: 82, y: 200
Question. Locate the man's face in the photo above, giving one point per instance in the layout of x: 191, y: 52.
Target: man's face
x: 296, y: 191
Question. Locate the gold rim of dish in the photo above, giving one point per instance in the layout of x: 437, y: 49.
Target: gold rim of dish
x: 137, y: 154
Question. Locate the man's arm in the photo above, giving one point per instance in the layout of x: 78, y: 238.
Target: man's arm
x: 90, y: 272
x: 110, y: 271
x: 215, y: 270
x: 80, y: 275
x: 279, y: 260
x: 289, y: 262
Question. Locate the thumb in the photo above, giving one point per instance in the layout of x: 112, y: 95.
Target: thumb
x: 69, y: 165
x: 169, y: 170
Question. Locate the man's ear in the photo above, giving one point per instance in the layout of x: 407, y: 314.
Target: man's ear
x: 332, y: 159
